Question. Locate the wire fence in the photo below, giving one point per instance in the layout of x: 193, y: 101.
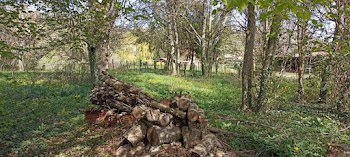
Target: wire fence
x: 183, y: 66
x: 78, y: 72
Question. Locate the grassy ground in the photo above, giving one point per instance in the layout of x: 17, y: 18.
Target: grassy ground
x: 41, y: 117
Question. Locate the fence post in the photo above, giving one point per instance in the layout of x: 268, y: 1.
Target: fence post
x: 185, y: 67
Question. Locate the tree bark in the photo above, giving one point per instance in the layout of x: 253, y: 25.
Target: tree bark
x: 20, y: 62
x: 92, y: 62
x: 203, y: 38
x: 247, y: 72
x: 302, y: 38
x: 194, y: 113
x: 326, y: 67
x: 216, y: 64
x: 136, y: 133
x: 324, y: 80
x: 160, y: 135
x: 268, y: 60
x: 208, y: 143
x: 172, y: 35
x: 99, y: 47
x: 173, y: 50
x: 164, y: 108
x: 157, y: 117
x: 192, y: 65
x: 177, y: 46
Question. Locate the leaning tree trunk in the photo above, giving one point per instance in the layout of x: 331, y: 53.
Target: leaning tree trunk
x: 326, y: 74
x: 247, y: 72
x: 268, y: 59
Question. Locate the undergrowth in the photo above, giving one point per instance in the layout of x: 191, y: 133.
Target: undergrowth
x: 40, y: 116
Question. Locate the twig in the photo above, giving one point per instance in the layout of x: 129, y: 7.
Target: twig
x: 344, y: 129
x: 221, y: 131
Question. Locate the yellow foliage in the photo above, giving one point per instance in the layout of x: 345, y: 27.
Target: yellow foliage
x: 296, y: 148
x: 133, y: 51
x: 159, y: 63
x: 328, y: 117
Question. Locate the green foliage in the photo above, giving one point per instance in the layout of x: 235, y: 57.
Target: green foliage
x: 299, y: 129
x: 240, y: 5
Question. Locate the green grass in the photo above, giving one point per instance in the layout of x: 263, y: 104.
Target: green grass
x: 41, y: 117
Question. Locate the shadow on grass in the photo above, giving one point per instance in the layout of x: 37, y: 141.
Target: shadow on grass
x: 29, y: 113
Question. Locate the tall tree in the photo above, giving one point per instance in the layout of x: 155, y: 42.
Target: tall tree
x: 337, y: 38
x: 302, y: 38
x: 207, y: 25
x: 172, y: 9
x: 104, y: 16
x: 248, y: 63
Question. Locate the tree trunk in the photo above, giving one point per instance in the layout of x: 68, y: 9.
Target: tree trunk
x: 302, y: 37
x: 173, y: 49
x: 247, y: 72
x: 98, y: 48
x: 193, y: 66
x: 324, y: 80
x: 167, y: 64
x: 177, y: 53
x: 92, y: 62
x: 268, y: 60
x: 21, y: 63
x: 102, y: 56
x: 192, y: 61
x: 207, y: 68
x: 217, y: 64
x: 203, y: 38
x: 203, y: 68
x: 326, y: 67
